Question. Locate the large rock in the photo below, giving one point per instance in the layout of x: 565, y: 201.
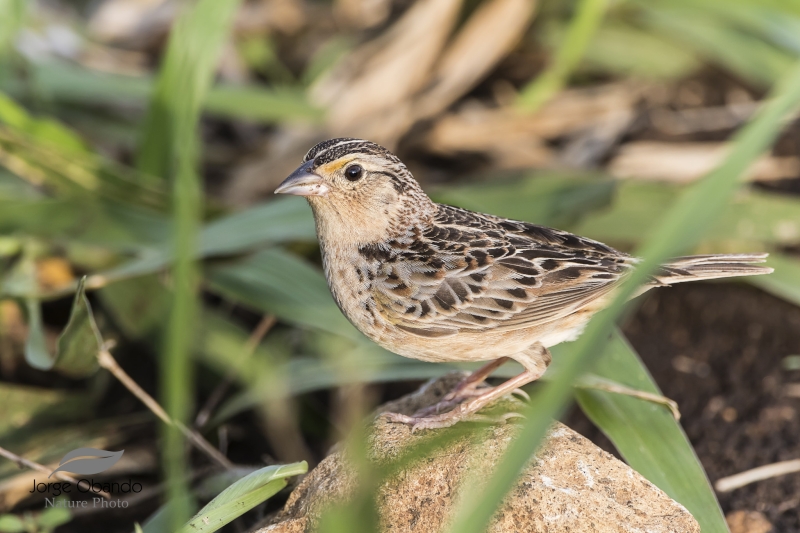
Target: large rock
x: 570, y: 485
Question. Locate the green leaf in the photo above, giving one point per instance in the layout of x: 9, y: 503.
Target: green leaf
x: 53, y: 517
x: 138, y: 305
x: 648, y: 436
x: 80, y: 342
x: 270, y: 223
x: 278, y: 282
x: 785, y: 281
x: 10, y: 523
x: 242, y: 496
x: 281, y: 220
x: 77, y: 346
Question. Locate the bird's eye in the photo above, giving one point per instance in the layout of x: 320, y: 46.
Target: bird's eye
x: 353, y: 172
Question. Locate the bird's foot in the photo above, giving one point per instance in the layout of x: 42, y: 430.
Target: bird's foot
x: 451, y: 400
x: 460, y: 395
x: 448, y: 419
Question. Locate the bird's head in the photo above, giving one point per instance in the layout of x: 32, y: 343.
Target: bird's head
x: 359, y: 190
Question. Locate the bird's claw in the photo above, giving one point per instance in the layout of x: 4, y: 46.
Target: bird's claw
x: 522, y: 395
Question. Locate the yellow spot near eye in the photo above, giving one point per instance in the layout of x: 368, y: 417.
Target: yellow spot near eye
x: 334, y: 166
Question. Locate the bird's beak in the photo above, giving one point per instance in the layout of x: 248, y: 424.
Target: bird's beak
x: 303, y: 182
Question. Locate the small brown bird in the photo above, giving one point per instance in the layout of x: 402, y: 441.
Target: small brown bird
x: 440, y: 283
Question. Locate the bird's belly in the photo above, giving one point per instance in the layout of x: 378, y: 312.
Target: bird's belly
x: 480, y: 346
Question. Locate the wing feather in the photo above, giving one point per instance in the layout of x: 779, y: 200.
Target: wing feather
x: 474, y: 272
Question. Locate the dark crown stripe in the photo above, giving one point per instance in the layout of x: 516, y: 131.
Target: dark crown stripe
x: 333, y: 149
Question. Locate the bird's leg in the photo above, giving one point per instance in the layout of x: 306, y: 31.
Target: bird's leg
x: 468, y: 388
x: 536, y: 359
x: 463, y: 411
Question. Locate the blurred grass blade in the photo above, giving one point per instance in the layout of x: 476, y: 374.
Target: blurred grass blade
x: 587, y: 19
x: 682, y: 227
x: 785, y: 281
x: 36, y: 353
x: 12, y: 15
x: 281, y: 220
x: 242, y: 496
x: 44, y: 130
x: 171, y: 148
x: 275, y: 281
x: 158, y: 522
x: 274, y: 222
x: 554, y: 199
x: 647, y: 435
x: 66, y: 83
x: 10, y: 523
x: 79, y: 343
x: 259, y: 104
x: 743, y: 53
x: 185, y: 76
x: 626, y: 50
x: 138, y: 306
x: 753, y: 217
x: 44, y: 152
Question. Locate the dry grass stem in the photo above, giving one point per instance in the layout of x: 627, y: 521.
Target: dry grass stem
x: 642, y: 395
x: 685, y: 162
x: 727, y: 484
x: 108, y: 362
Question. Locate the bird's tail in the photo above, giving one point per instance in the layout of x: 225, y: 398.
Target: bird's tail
x: 699, y: 267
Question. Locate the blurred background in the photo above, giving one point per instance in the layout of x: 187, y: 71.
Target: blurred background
x: 590, y: 115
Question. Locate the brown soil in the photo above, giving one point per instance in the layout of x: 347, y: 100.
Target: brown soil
x: 718, y: 350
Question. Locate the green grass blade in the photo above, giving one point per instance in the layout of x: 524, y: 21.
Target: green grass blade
x: 36, y: 353
x: 12, y: 15
x: 743, y: 53
x: 242, y: 496
x: 184, y: 80
x: 66, y: 83
x: 588, y: 17
x: 555, y: 199
x: 281, y: 220
x: 753, y: 215
x: 275, y: 281
x: 172, y: 142
x: 681, y: 228
x: 647, y: 435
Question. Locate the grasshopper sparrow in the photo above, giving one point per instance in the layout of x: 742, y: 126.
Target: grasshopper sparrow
x: 440, y: 283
